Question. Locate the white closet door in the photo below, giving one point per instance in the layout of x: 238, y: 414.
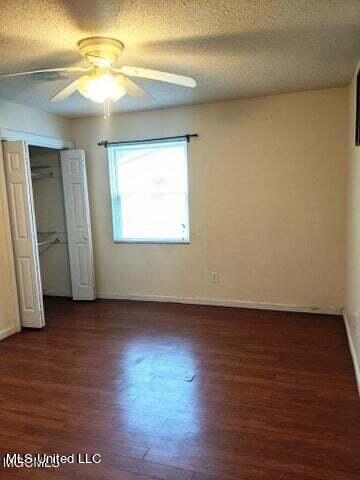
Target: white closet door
x: 23, y: 230
x: 78, y: 224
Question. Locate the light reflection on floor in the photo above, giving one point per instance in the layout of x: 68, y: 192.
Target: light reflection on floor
x: 156, y: 374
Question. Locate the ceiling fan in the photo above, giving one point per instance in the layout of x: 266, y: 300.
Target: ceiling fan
x: 102, y: 81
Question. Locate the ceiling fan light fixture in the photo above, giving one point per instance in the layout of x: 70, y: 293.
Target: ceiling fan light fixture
x: 106, y: 83
x: 101, y: 51
x: 102, y: 87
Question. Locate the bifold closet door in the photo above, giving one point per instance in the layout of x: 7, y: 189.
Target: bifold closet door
x: 23, y: 230
x: 78, y: 224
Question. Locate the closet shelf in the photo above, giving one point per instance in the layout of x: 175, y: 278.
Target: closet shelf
x: 38, y: 173
x: 47, y: 238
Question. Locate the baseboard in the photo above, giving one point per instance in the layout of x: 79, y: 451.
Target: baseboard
x: 57, y: 293
x: 9, y: 331
x: 352, y: 350
x: 223, y: 303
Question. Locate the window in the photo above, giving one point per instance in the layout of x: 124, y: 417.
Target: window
x: 149, y: 192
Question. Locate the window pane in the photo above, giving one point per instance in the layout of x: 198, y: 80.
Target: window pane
x: 149, y: 189
x: 154, y: 216
x: 162, y: 169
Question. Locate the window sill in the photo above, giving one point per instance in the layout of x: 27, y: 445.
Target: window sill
x: 151, y: 242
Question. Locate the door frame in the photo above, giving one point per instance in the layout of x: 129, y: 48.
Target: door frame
x: 35, y: 140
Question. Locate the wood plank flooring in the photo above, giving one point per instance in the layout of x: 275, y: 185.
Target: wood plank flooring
x: 180, y: 392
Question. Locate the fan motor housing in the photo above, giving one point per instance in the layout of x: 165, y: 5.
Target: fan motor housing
x: 101, y: 51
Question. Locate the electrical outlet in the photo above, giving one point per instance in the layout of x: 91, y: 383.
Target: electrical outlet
x: 214, y: 277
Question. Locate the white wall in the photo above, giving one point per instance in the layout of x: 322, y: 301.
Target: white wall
x: 352, y: 308
x: 268, y: 181
x: 26, y: 119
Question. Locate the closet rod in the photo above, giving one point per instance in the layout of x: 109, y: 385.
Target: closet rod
x: 41, y: 176
x: 47, y: 238
x: 48, y: 242
x: 38, y: 173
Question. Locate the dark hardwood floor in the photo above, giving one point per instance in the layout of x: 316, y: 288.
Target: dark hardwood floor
x: 180, y: 392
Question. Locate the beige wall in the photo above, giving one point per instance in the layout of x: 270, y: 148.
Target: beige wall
x: 267, y: 199
x: 352, y: 309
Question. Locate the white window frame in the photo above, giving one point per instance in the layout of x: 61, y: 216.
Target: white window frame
x: 115, y: 211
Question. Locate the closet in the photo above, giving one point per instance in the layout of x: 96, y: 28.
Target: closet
x: 50, y: 226
x: 50, y: 221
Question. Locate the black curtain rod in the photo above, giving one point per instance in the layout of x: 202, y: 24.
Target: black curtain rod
x: 105, y: 143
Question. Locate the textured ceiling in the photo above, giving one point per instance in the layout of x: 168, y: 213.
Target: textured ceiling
x: 233, y: 48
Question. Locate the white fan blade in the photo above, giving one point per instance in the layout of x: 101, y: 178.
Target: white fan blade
x: 135, y: 91
x: 66, y: 92
x: 160, y: 76
x: 45, y: 70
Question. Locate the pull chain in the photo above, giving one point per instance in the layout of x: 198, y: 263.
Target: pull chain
x: 107, y: 104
